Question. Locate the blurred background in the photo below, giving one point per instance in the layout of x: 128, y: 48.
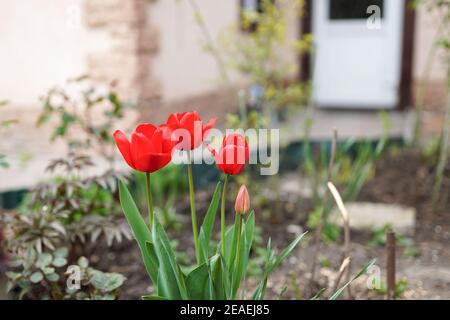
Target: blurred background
x: 375, y: 72
x: 176, y: 55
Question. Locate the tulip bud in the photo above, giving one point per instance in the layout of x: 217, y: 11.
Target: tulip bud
x: 242, y: 204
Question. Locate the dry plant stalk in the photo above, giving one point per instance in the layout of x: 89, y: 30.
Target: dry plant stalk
x: 342, y: 269
x: 345, y: 217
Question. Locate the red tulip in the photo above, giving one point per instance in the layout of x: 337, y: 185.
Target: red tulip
x: 242, y: 204
x: 150, y: 148
x: 233, y: 155
x: 193, y: 124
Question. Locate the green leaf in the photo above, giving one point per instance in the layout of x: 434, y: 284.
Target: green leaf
x: 150, y: 297
x: 52, y: 277
x: 260, y: 290
x: 228, y: 244
x: 36, y: 277
x: 170, y: 279
x: 246, y: 245
x: 59, y: 262
x: 287, y: 251
x: 359, y: 274
x: 61, y: 252
x: 107, y: 282
x: 83, y: 262
x: 220, y: 277
x: 140, y: 231
x: 44, y: 260
x: 48, y: 270
x: 272, y: 264
x: 233, y: 244
x: 198, y: 283
x: 319, y: 294
x: 208, y: 224
x: 249, y: 232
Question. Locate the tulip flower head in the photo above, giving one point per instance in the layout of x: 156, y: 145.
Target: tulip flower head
x: 149, y: 150
x: 188, y: 130
x: 233, y: 154
x: 242, y: 203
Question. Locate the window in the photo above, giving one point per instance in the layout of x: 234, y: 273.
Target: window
x: 352, y: 9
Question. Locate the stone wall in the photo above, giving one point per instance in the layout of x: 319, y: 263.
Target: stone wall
x: 134, y: 41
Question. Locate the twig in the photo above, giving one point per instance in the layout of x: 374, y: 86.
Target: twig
x: 346, y: 219
x: 390, y: 264
x: 342, y: 269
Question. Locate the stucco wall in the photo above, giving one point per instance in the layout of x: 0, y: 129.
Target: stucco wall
x: 42, y: 45
x: 426, y: 29
x: 182, y: 65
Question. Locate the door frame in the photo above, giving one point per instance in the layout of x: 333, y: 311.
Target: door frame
x: 406, y: 72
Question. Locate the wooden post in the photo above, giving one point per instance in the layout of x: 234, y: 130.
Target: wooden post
x: 390, y: 264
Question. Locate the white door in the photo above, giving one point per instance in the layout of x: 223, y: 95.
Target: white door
x: 357, y: 62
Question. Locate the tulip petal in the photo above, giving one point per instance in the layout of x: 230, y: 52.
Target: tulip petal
x: 234, y: 139
x: 211, y: 123
x: 167, y: 143
x: 141, y: 148
x: 124, y: 147
x: 192, y: 122
x: 158, y: 161
x: 147, y: 129
x: 157, y: 141
x: 232, y: 159
x: 174, y: 119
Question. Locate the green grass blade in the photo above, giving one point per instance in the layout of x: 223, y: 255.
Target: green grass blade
x: 319, y: 294
x: 359, y: 274
x: 259, y: 292
x: 272, y: 263
x: 287, y: 251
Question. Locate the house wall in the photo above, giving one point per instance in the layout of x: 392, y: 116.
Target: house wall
x: 155, y: 48
x: 430, y: 79
x: 42, y: 43
x: 435, y: 74
x: 182, y: 65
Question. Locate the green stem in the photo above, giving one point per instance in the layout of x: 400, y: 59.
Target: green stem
x: 193, y: 211
x: 222, y: 215
x: 238, y: 248
x: 149, y: 199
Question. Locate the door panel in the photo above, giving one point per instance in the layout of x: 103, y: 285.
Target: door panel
x: 356, y: 66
